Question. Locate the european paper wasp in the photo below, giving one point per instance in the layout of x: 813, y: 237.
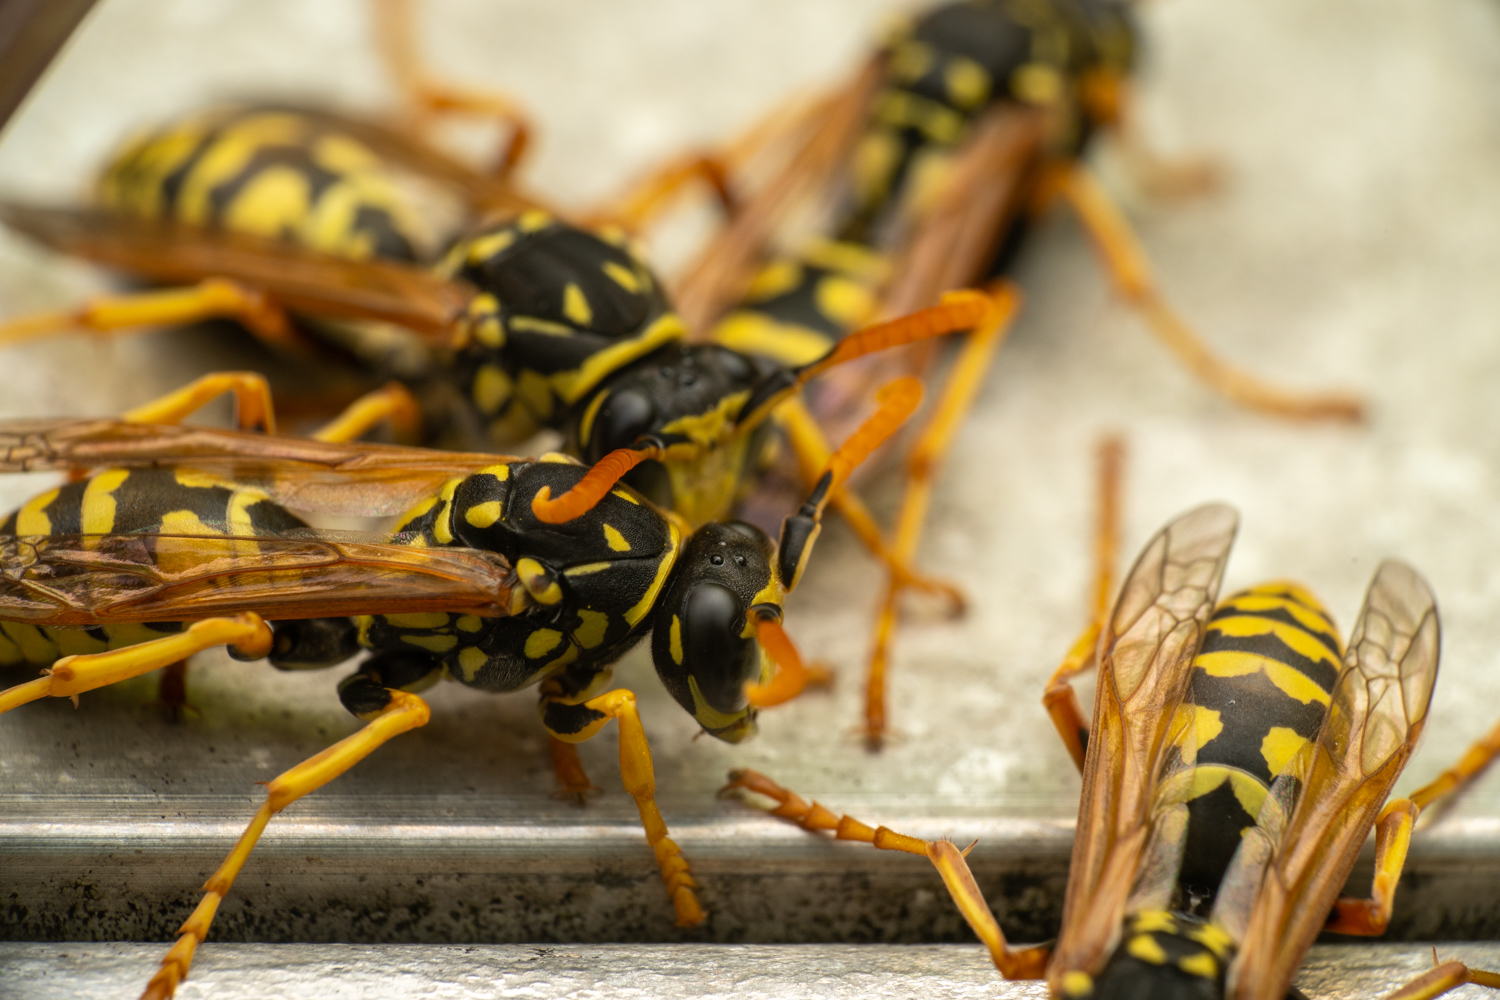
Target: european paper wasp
x: 184, y: 539
x: 925, y: 171
x: 1238, y: 757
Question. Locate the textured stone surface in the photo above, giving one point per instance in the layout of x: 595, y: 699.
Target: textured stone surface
x: 1354, y: 244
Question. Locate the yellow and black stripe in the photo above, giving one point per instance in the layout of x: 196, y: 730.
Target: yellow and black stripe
x: 1161, y: 956
x: 1259, y: 693
x: 185, y: 511
x: 273, y: 173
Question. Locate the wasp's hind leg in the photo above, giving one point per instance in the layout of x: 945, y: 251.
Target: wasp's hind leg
x: 968, y: 372
x: 1013, y: 963
x: 1127, y: 265
x: 1059, y: 698
x: 253, y: 408
x: 396, y: 713
x: 392, y: 403
x: 1445, y: 977
x: 245, y: 634
x: 214, y: 298
x: 1444, y: 787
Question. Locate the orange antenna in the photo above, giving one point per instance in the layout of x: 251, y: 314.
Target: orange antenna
x: 589, y: 490
x: 897, y: 401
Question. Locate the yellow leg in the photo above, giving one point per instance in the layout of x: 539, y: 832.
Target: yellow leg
x: 393, y: 402
x: 1368, y: 917
x: 427, y: 97
x: 640, y: 782
x: 1448, y: 976
x: 404, y: 713
x: 572, y: 781
x: 1471, y: 765
x: 1059, y: 698
x: 655, y: 193
x: 1157, y: 175
x: 969, y: 369
x: 215, y: 298
x: 1013, y: 963
x: 72, y: 675
x: 812, y: 450
x: 253, y: 409
x: 1126, y: 263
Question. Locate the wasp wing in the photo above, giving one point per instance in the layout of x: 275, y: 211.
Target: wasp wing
x: 87, y: 580
x: 356, y: 478
x: 723, y: 271
x: 1146, y: 654
x: 1376, y: 714
x: 302, y: 280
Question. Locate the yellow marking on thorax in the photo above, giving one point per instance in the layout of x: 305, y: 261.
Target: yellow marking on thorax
x: 674, y: 638
x: 776, y: 278
x: 614, y: 539
x: 751, y: 332
x: 1289, y: 680
x: 1202, y: 964
x: 586, y: 423
x: 584, y: 569
x: 483, y: 515
x: 533, y: 220
x: 99, y: 507
x: 853, y: 260
x: 32, y: 519
x: 1145, y: 948
x: 874, y: 163
x: 967, y: 82
x: 624, y: 496
x: 622, y: 276
x: 715, y: 425
x: 1280, y: 746
x: 663, y: 569
x: 535, y: 324
x: 469, y: 623
x: 1213, y: 937
x: 418, y: 619
x: 441, y: 529
x: 1076, y: 983
x: 470, y: 660
x: 845, y: 301
x: 541, y: 642
x: 1153, y: 922
x: 571, y: 385
x: 538, y: 581
x: 575, y: 305
x: 418, y: 510
x: 592, y: 627
x: 432, y: 643
x: 492, y: 388
x: 481, y: 248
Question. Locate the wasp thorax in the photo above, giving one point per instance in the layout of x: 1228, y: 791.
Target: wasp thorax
x: 704, y: 638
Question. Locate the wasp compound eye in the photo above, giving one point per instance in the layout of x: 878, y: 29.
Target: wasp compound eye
x: 623, y: 418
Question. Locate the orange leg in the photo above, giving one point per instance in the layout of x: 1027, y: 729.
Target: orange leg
x: 969, y: 369
x: 654, y: 194
x: 215, y: 298
x: 1059, y: 698
x: 404, y: 713
x: 253, y: 409
x: 1126, y: 262
x: 1445, y: 977
x: 1369, y: 917
x: 427, y: 97
x: 73, y: 675
x: 1456, y: 778
x: 393, y: 402
x: 640, y: 781
x: 1013, y: 963
x: 572, y: 781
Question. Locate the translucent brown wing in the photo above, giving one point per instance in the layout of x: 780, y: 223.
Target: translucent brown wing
x: 405, y: 150
x: 952, y: 243
x: 356, y: 478
x: 300, y: 279
x: 1375, y: 716
x: 1146, y: 653
x: 724, y: 269
x: 84, y: 580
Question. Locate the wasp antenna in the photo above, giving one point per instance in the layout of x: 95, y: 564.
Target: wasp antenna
x: 589, y: 490
x: 897, y: 401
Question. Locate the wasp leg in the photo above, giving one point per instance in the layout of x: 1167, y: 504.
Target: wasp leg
x: 1456, y: 778
x: 1059, y: 698
x: 427, y: 97
x: 572, y: 780
x: 969, y: 369
x: 1127, y: 265
x: 1013, y: 963
x: 1157, y: 175
x: 575, y: 723
x: 215, y: 298
x: 812, y: 450
x: 402, y: 713
x: 1448, y: 976
x: 253, y: 409
x: 651, y: 196
x: 1368, y: 917
x: 246, y: 634
x: 171, y: 691
x: 392, y: 402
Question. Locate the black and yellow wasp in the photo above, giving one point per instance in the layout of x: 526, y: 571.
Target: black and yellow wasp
x: 183, y: 538
x: 1238, y: 758
x: 925, y: 171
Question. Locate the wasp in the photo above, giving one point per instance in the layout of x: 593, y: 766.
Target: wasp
x: 925, y: 171
x: 1238, y: 757
x: 184, y: 538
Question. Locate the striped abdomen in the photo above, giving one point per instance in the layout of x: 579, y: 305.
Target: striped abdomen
x: 124, y: 501
x: 270, y: 173
x: 1259, y: 692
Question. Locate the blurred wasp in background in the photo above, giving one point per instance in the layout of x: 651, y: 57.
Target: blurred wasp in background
x: 1238, y: 757
x: 183, y: 539
x: 925, y: 171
